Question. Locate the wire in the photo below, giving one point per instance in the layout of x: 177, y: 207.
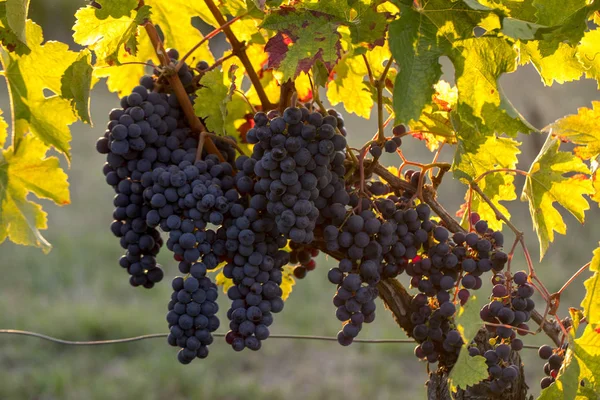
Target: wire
x: 164, y: 335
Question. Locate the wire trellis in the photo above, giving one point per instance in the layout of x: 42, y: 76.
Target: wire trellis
x: 216, y: 334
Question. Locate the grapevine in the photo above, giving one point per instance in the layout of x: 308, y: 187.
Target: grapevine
x: 247, y: 175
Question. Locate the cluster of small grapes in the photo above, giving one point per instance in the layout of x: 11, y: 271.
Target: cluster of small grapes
x: 279, y: 186
x: 184, y: 200
x: 191, y: 315
x: 555, y: 358
x: 303, y: 257
x: 503, y: 373
x: 446, y: 264
x: 253, y: 244
x: 294, y: 154
x: 510, y: 305
x: 377, y: 246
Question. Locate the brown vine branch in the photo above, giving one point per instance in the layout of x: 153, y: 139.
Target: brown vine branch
x: 239, y: 49
x: 184, y: 100
x: 205, y: 39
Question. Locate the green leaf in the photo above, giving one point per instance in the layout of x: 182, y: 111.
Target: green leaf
x: 16, y: 16
x: 591, y: 301
x: 479, y: 62
x: 582, y: 129
x: 477, y: 154
x: 579, y: 376
x: 46, y: 117
x: 13, y: 17
x: 26, y: 169
x: 440, y: 28
x: 211, y: 101
x: 414, y: 44
x: 76, y: 83
x: 547, y: 184
x: 554, y: 53
x: 302, y: 38
x: 108, y: 29
x: 468, y: 371
x: 555, y: 12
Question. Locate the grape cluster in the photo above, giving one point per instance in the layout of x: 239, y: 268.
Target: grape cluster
x: 377, y: 246
x: 445, y: 272
x: 503, y: 373
x: 192, y: 314
x: 555, y: 358
x: 293, y: 156
x: 510, y: 305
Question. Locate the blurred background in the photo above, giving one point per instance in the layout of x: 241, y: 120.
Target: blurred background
x: 79, y: 292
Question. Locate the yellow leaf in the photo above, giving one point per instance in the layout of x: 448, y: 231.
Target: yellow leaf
x: 588, y: 53
x: 349, y: 86
x: 547, y: 184
x: 23, y: 170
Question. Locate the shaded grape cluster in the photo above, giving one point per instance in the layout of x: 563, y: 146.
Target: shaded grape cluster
x: 554, y: 360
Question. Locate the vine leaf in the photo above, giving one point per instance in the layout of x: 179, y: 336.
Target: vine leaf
x: 107, y: 29
x: 26, y: 169
x: 174, y: 18
x: 45, y: 117
x: 349, y: 86
x: 579, y: 376
x: 439, y: 28
x: 479, y: 62
x: 211, y: 101
x: 302, y: 38
x: 221, y: 107
x: 13, y: 17
x: 588, y: 53
x: 477, y: 154
x: 595, y: 167
x: 553, y: 64
x: 468, y: 371
x: 582, y: 129
x: 416, y: 49
x: 76, y: 84
x: 554, y: 53
x: 546, y: 184
x: 591, y: 301
x: 435, y: 125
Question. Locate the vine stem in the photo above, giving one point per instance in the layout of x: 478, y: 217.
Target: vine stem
x: 572, y: 278
x: 239, y: 49
x: 380, y: 85
x: 182, y: 96
x: 519, y: 236
x: 514, y: 171
x: 205, y: 39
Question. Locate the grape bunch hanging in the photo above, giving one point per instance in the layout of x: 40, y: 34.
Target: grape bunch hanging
x: 291, y: 198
